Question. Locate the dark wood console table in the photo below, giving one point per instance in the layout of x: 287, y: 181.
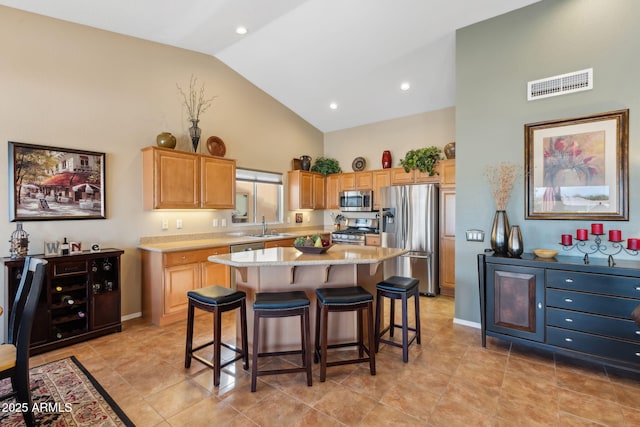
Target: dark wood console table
x: 564, y: 305
x: 80, y: 298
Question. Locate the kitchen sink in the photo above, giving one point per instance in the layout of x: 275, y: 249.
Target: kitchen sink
x: 271, y: 235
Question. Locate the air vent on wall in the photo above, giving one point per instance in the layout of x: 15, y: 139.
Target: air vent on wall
x: 560, y: 85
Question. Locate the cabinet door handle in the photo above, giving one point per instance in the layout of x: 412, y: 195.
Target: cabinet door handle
x: 568, y: 340
x: 568, y: 300
x: 568, y: 320
x: 637, y: 332
x: 184, y: 257
x: 540, y: 305
x: 638, y: 354
x: 568, y: 280
x: 637, y: 288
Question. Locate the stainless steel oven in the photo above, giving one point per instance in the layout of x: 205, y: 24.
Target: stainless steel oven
x: 356, y: 201
x: 355, y: 230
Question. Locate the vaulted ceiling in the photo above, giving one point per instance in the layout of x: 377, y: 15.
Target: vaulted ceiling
x: 308, y: 54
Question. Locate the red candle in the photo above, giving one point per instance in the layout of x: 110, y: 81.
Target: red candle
x: 582, y: 234
x: 567, y: 239
x: 615, y: 236
x: 633, y: 244
x: 597, y: 229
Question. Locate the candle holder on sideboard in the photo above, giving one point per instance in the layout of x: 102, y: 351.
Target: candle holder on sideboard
x: 598, y: 246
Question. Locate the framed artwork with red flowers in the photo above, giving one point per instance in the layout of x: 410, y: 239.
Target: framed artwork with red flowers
x: 52, y: 183
x: 578, y: 168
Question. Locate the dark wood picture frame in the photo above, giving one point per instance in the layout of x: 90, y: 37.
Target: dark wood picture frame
x: 578, y: 168
x: 52, y: 183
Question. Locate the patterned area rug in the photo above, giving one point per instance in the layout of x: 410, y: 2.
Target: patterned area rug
x: 64, y: 394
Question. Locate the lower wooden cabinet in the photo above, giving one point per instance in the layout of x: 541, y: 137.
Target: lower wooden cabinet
x: 80, y: 298
x: 280, y: 243
x: 168, y: 276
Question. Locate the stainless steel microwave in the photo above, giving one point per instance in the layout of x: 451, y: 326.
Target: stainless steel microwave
x: 356, y: 201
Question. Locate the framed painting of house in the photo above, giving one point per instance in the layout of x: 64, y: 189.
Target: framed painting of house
x: 51, y: 183
x: 578, y: 168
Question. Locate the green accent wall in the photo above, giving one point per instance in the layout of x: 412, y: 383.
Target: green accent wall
x: 495, y: 60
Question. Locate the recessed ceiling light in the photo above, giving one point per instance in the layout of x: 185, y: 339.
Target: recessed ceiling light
x: 241, y: 30
x: 333, y: 106
x: 405, y: 86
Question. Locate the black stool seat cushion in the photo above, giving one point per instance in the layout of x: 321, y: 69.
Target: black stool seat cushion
x: 343, y: 296
x: 398, y: 284
x: 280, y: 300
x: 216, y: 295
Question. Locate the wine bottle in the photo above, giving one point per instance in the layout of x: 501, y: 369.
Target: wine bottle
x: 59, y: 288
x: 58, y: 333
x: 67, y: 299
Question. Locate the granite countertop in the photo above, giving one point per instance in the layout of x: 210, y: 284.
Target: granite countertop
x: 203, y: 241
x: 337, y: 254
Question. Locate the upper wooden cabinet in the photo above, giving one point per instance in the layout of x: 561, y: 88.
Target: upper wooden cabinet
x: 399, y: 177
x: 347, y: 181
x: 306, y: 190
x: 447, y: 170
x: 356, y: 181
x: 180, y: 180
x: 332, y: 191
x: 381, y: 178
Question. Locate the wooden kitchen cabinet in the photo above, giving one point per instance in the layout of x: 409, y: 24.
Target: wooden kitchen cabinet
x: 447, y: 227
x: 372, y: 239
x: 380, y: 178
x: 347, y: 181
x: 364, y: 180
x: 306, y: 190
x: 218, y: 183
x: 180, y: 180
x: 332, y: 191
x: 280, y: 243
x: 80, y: 298
x: 167, y: 277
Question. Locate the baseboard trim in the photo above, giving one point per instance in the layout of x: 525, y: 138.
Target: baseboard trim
x: 466, y: 323
x: 131, y: 316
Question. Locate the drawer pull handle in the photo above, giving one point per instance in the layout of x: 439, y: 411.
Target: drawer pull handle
x: 568, y: 320
x: 568, y: 300
x: 637, y: 288
x: 638, y: 354
x: 184, y: 257
x: 568, y: 280
x: 570, y: 340
x: 637, y: 332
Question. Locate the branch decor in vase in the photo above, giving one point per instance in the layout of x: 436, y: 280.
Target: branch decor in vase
x: 501, y: 179
x: 196, y: 103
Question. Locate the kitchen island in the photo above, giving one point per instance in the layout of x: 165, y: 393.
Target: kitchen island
x: 286, y: 269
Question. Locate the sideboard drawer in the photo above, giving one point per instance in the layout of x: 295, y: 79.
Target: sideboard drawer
x: 66, y: 268
x: 591, y: 303
x: 597, y: 283
x: 594, y: 324
x: 593, y: 344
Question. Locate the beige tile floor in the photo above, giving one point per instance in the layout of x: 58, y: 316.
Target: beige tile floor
x: 450, y: 380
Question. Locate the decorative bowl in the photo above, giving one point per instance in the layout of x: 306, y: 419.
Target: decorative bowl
x: 312, y: 249
x: 545, y: 253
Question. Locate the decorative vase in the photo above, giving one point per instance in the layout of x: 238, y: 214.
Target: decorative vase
x: 194, y: 133
x: 514, y: 247
x: 386, y: 159
x: 305, y: 163
x: 500, y: 233
x: 450, y: 150
x: 166, y: 140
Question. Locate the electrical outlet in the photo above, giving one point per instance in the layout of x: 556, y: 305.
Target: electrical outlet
x: 165, y: 224
x: 223, y: 222
x: 178, y: 223
x: 215, y: 222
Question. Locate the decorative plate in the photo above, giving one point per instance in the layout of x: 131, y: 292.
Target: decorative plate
x: 312, y: 249
x: 216, y: 146
x: 359, y: 163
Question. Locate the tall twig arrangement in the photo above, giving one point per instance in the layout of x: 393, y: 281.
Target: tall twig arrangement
x: 195, y: 101
x: 502, y: 178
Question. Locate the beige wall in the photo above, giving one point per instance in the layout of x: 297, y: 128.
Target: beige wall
x: 397, y: 135
x: 71, y: 86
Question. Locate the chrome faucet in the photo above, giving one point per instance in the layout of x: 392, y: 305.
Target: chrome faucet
x: 264, y: 226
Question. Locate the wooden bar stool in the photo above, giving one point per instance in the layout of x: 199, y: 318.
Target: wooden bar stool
x: 281, y: 304
x: 217, y: 300
x: 351, y: 298
x: 402, y: 288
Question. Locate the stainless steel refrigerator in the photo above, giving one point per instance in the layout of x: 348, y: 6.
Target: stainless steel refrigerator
x: 410, y: 221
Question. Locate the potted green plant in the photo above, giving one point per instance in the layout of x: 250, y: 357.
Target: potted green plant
x: 423, y: 159
x: 326, y: 166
